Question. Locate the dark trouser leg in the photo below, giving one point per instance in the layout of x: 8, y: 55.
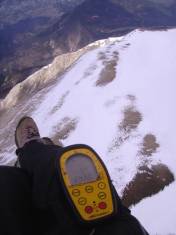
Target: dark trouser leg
x: 126, y: 224
x: 15, y: 202
x: 39, y: 161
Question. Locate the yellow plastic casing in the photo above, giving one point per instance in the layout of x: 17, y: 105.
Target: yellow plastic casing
x: 92, y: 200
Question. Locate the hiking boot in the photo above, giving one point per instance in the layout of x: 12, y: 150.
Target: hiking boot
x: 26, y: 131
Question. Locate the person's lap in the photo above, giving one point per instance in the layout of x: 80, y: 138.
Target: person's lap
x: 35, y: 204
x: 15, y: 201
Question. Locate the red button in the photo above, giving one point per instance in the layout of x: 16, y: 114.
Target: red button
x: 102, y: 205
x: 88, y: 209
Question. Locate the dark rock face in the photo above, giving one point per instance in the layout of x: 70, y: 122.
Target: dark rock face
x: 24, y: 48
x: 32, y: 32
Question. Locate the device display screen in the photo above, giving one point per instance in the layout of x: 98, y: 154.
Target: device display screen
x: 81, y: 169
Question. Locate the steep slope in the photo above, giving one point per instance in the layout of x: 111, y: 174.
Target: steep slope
x: 23, y: 47
x: 34, y: 32
x: 119, y: 98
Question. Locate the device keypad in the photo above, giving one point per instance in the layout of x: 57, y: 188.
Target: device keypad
x: 98, y: 204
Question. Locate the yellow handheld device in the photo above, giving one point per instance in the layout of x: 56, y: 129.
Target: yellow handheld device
x: 87, y: 184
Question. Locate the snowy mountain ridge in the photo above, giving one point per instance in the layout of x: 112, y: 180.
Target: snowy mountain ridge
x: 110, y: 97
x: 44, y: 76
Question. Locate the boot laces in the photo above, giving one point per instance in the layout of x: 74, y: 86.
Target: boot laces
x: 31, y: 132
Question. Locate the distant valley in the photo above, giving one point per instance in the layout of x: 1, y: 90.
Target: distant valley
x: 33, y: 33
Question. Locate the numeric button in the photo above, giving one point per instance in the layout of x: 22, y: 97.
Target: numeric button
x: 101, y: 185
x: 82, y: 200
x: 76, y: 192
x: 102, y: 195
x: 89, y: 189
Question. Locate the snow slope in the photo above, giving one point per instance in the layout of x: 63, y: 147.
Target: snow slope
x: 114, y: 98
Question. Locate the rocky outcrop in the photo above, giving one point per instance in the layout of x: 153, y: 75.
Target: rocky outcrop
x: 147, y: 182
x: 43, y: 77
